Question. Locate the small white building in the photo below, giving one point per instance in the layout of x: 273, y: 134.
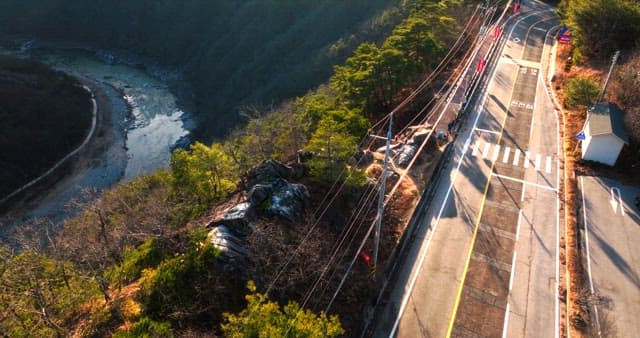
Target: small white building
x: 604, y: 134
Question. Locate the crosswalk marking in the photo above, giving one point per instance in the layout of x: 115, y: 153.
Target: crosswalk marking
x: 491, y: 152
x: 516, y: 157
x: 485, y: 151
x: 476, y: 146
x: 505, y: 158
x: 496, y: 152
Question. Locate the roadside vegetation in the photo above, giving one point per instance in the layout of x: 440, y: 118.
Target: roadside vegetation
x: 44, y: 114
x: 139, y: 250
x: 600, y: 28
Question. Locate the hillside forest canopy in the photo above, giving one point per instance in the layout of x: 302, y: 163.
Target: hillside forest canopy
x: 135, y: 261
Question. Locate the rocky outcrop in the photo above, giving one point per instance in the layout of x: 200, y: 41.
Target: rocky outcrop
x: 270, y: 170
x: 231, y: 247
x: 289, y: 200
x: 236, y: 218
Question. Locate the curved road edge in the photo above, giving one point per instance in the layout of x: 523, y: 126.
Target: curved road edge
x: 94, y: 118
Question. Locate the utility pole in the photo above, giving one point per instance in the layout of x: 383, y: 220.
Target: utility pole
x: 381, y: 195
x: 606, y: 82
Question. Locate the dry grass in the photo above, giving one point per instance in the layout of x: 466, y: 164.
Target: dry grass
x: 573, y: 120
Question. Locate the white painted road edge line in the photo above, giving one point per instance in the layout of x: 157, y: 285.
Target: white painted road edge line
x: 512, y: 275
x: 586, y: 240
x: 558, y: 151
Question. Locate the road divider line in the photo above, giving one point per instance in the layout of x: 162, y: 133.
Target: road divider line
x: 538, y: 160
x: 537, y: 185
x: 527, y: 156
x: 547, y: 168
x: 586, y: 240
x: 486, y: 131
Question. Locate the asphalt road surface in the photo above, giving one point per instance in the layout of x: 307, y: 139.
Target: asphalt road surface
x: 484, y: 261
x: 612, y: 223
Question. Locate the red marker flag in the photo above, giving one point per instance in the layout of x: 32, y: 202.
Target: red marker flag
x: 480, y: 66
x: 496, y: 33
x: 366, y: 258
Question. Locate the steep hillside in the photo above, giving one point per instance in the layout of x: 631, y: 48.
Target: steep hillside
x: 44, y: 115
x: 235, y: 53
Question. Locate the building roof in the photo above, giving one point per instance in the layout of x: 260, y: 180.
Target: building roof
x: 606, y: 118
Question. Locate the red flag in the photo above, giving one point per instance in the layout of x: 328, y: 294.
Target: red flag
x: 516, y: 6
x: 480, y: 66
x: 366, y: 258
x: 496, y: 33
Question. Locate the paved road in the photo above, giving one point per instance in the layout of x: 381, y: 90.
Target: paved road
x: 613, y: 256
x: 484, y: 259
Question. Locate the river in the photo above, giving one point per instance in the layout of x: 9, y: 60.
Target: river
x: 144, y: 124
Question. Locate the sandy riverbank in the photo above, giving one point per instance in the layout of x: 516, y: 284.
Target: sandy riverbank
x: 98, y: 166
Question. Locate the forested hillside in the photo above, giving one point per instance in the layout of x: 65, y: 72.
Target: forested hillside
x: 142, y: 253
x: 44, y: 115
x: 235, y: 53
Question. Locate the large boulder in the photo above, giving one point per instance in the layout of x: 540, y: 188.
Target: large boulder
x: 236, y: 218
x: 266, y: 172
x: 231, y: 247
x: 289, y: 200
x: 260, y: 193
x: 405, y: 154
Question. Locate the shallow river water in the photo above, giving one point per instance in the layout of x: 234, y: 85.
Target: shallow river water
x: 155, y: 124
x: 146, y: 123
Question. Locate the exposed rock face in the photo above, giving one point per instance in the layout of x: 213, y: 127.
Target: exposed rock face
x: 404, y: 154
x: 230, y: 245
x: 259, y: 193
x: 236, y: 218
x: 268, y: 171
x: 289, y: 200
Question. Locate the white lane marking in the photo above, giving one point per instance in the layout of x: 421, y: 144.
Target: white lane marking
x: 586, y: 239
x: 511, y: 277
x: 485, y: 151
x: 408, y: 292
x: 496, y: 152
x: 505, y: 158
x: 476, y: 147
x: 539, y: 29
x: 557, y: 278
x: 525, y: 182
x: 547, y: 167
x: 506, y: 321
x: 516, y: 157
x: 486, y: 131
x: 614, y: 203
x: 526, y: 159
x: 538, y: 161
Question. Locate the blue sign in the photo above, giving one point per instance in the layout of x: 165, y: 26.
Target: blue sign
x: 580, y: 135
x: 565, y: 35
x: 563, y: 30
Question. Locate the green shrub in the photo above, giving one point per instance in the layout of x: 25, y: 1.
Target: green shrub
x: 180, y: 282
x: 581, y: 92
x: 148, y: 254
x: 146, y: 328
x: 264, y: 318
